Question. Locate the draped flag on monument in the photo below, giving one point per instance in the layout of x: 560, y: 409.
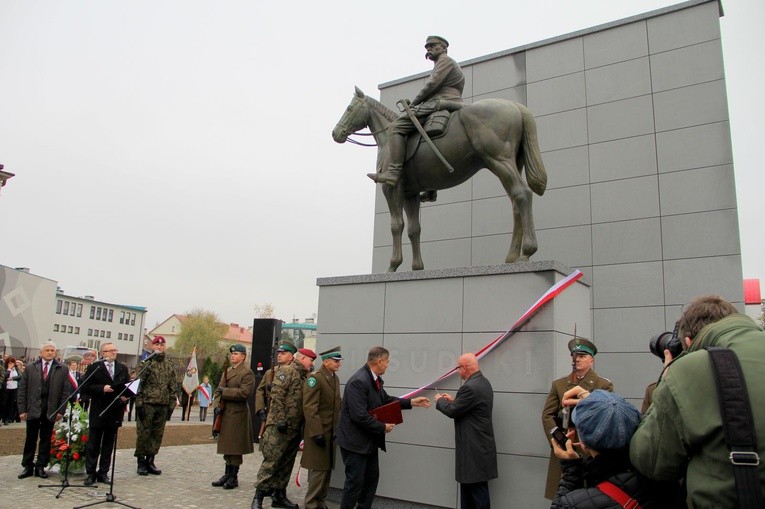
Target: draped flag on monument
x: 549, y: 295
x: 191, y: 380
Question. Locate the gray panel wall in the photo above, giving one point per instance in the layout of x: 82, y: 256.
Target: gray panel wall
x: 426, y: 320
x: 633, y: 124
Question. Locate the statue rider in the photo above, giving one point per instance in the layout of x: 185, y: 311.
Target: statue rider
x: 443, y: 91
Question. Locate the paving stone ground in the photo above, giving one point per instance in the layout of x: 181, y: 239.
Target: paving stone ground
x: 185, y: 482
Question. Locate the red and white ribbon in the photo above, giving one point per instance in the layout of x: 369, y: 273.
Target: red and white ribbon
x: 549, y: 295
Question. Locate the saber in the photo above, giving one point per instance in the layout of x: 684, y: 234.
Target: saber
x: 405, y: 105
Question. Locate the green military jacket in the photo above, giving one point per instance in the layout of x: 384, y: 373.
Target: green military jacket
x: 321, y: 407
x: 158, y: 383
x: 550, y: 418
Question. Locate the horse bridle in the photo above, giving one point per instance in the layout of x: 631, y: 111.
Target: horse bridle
x: 356, y: 142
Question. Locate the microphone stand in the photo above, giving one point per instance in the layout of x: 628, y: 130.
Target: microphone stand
x: 65, y: 481
x: 110, y: 498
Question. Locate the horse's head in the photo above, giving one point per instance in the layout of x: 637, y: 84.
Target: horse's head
x: 355, y: 118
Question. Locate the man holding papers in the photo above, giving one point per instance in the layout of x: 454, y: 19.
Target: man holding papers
x: 360, y: 435
x: 107, y: 381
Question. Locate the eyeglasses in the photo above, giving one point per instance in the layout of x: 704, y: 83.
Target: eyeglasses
x: 109, y: 351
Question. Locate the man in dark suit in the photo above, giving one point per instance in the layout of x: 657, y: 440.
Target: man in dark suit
x: 360, y: 435
x: 43, y: 388
x: 103, y: 387
x: 476, y: 452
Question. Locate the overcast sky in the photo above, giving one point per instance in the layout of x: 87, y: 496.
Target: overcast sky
x: 177, y: 154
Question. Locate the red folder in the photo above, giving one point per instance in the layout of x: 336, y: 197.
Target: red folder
x: 389, y: 414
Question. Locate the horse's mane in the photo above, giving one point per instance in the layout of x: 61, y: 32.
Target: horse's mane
x: 382, y: 109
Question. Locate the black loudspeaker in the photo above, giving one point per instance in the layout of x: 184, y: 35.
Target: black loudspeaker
x: 265, y: 334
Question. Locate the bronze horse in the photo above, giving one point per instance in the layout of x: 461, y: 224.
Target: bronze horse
x: 493, y: 133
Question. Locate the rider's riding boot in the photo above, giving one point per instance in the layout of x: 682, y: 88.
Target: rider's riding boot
x: 280, y: 500
x: 257, y: 501
x: 397, y: 150
x: 222, y: 480
x: 233, y: 479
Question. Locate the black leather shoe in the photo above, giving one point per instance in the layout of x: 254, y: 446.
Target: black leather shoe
x: 104, y: 478
x: 90, y: 480
x: 40, y: 472
x: 27, y: 472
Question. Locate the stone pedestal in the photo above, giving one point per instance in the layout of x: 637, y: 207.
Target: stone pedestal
x: 427, y: 319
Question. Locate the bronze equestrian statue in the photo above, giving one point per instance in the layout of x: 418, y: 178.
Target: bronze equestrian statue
x: 496, y: 134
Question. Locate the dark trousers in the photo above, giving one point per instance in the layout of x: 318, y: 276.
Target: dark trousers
x: 10, y: 411
x: 203, y: 413
x: 100, y: 443
x: 475, y: 495
x: 37, y: 429
x: 362, y: 471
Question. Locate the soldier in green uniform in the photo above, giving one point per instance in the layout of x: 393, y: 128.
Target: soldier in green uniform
x: 154, y: 405
x: 284, y: 426
x: 234, y: 389
x: 321, y: 407
x: 582, y: 360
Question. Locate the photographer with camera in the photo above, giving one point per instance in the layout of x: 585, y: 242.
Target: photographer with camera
x: 683, y: 433
x: 666, y: 346
x: 605, y: 478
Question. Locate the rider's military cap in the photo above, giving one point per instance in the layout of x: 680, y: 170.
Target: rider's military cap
x: 432, y: 39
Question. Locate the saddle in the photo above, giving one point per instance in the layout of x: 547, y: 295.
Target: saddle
x: 436, y: 125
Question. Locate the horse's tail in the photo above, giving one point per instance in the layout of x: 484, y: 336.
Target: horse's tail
x: 530, y: 156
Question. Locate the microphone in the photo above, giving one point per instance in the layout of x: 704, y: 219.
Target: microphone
x: 152, y: 355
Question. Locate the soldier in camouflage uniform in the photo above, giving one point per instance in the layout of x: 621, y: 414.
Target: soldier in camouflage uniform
x: 284, y: 427
x: 154, y: 405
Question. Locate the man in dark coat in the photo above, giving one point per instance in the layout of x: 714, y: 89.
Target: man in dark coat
x: 360, y: 435
x: 43, y: 388
x: 235, y: 440
x: 476, y: 451
x: 321, y: 408
x: 583, y: 354
x: 105, y: 380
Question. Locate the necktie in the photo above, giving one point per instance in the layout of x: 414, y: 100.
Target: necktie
x: 45, y: 371
x: 111, y: 369
x: 378, y: 384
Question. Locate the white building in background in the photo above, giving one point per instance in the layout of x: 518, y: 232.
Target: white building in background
x: 84, y: 321
x: 33, y: 310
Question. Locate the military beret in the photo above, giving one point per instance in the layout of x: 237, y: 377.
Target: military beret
x: 581, y: 345
x: 332, y: 353
x: 158, y: 340
x: 433, y: 39
x: 308, y: 352
x: 238, y: 348
x: 287, y: 346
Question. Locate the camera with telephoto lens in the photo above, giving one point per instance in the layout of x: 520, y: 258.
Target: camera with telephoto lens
x: 666, y: 341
